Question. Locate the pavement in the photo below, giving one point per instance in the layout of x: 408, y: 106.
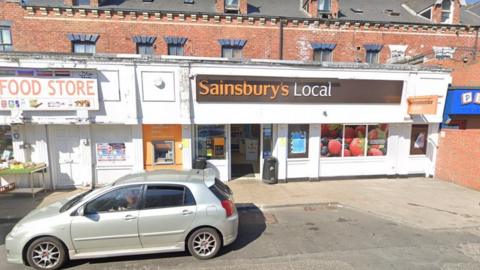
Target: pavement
x: 420, y: 202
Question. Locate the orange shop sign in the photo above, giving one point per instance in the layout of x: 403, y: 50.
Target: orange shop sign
x: 48, y: 90
x: 422, y: 105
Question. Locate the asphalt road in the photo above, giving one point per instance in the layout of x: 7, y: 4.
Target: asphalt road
x: 313, y: 237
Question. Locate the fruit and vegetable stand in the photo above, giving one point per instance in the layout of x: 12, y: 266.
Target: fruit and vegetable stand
x: 28, y: 171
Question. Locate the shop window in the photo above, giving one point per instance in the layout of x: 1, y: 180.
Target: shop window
x: 298, y: 141
x: 377, y: 140
x: 332, y: 140
x: 418, y: 140
x: 163, y: 152
x: 338, y: 140
x: 211, y: 141
x: 5, y: 39
x: 6, y: 146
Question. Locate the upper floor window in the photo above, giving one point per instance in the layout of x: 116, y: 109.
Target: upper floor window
x: 5, y: 39
x: 444, y: 52
x: 232, y: 48
x: 446, y: 11
x: 175, y: 45
x: 83, y: 43
x: 372, y: 53
x: 324, y: 5
x: 323, y: 52
x: 144, y: 44
x: 81, y: 2
x: 231, y: 5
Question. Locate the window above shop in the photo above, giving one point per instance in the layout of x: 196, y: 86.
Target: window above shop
x: 145, y: 44
x: 83, y: 43
x: 232, y: 6
x: 323, y: 52
x: 175, y: 45
x: 324, y: 6
x: 446, y: 16
x: 372, y: 53
x: 6, y: 44
x: 232, y: 48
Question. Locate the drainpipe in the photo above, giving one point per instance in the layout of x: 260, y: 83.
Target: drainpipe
x: 281, y: 39
x: 475, y: 46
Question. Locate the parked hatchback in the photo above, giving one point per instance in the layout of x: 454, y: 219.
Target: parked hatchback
x: 141, y: 213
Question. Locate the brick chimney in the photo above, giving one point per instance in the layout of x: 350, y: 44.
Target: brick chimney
x: 221, y: 6
x: 447, y: 11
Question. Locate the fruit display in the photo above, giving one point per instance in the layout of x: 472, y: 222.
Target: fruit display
x: 353, y: 140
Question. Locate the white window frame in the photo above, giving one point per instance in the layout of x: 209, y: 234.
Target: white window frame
x: 6, y: 46
x: 325, y: 3
x: 322, y: 54
x: 83, y: 44
x: 449, y: 11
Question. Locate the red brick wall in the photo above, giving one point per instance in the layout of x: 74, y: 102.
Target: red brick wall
x: 48, y: 33
x: 458, y: 157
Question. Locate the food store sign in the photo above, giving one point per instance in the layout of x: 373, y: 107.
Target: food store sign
x: 231, y: 89
x: 48, y: 90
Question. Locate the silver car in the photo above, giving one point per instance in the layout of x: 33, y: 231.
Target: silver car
x: 141, y: 213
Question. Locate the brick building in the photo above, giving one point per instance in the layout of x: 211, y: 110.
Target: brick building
x: 341, y: 39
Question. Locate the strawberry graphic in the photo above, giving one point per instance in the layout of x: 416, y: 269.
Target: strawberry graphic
x: 357, y: 147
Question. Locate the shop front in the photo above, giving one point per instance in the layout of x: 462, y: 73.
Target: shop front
x: 329, y: 122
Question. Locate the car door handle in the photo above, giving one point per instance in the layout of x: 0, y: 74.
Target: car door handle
x: 186, y: 212
x: 130, y: 217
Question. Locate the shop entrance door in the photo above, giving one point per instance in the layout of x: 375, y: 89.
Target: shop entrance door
x: 245, y: 149
x: 65, y: 142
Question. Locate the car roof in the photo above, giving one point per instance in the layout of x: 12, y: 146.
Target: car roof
x: 163, y: 176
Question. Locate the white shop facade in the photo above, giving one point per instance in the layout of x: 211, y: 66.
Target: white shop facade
x: 318, y: 122
x: 142, y: 114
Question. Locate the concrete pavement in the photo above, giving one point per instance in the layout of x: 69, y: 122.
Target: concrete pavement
x: 420, y: 202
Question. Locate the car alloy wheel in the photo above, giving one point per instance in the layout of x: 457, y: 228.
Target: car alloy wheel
x: 204, y: 243
x: 46, y: 253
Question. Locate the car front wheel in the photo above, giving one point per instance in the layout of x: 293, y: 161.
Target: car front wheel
x: 46, y: 253
x: 204, y: 243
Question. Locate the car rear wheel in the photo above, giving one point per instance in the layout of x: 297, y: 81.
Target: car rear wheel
x: 46, y: 253
x: 204, y: 243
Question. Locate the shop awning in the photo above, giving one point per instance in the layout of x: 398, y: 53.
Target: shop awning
x: 144, y: 39
x: 324, y: 46
x: 461, y: 102
x: 171, y: 40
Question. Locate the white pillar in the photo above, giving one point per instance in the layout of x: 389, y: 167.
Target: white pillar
x: 281, y: 150
x: 86, y: 162
x: 314, y: 151
x: 187, y: 147
x: 137, y: 140
x: 432, y: 147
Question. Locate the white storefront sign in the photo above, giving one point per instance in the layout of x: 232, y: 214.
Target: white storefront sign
x: 48, y: 90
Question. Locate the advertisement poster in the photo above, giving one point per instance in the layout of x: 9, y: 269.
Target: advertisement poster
x: 111, y: 152
x: 48, y: 89
x: 298, y: 143
x: 251, y: 149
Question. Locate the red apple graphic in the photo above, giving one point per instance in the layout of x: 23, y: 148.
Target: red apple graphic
x: 375, y: 152
x: 357, y: 147
x: 334, y: 147
x: 360, y: 131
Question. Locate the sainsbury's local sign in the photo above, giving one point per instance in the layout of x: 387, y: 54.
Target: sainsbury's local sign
x: 232, y: 89
x: 48, y: 89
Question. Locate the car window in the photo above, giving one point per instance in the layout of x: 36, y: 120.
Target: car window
x: 121, y: 199
x: 168, y: 196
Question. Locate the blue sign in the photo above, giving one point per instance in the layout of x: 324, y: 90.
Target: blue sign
x: 461, y: 102
x: 298, y: 143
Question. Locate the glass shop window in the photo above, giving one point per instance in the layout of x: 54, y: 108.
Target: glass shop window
x: 418, y: 140
x: 338, y: 140
x: 298, y: 141
x: 164, y: 152
x: 211, y: 141
x: 6, y: 146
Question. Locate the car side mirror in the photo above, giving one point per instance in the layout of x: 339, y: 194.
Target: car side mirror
x: 81, y: 211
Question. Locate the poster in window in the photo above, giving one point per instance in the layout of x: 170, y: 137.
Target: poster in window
x: 354, y: 145
x: 332, y: 140
x: 377, y: 140
x: 111, y: 152
x: 418, y: 140
x: 298, y: 142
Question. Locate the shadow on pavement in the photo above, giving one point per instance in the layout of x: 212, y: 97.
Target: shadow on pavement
x: 252, y: 224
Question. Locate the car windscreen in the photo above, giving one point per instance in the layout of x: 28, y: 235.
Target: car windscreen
x: 74, y: 200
